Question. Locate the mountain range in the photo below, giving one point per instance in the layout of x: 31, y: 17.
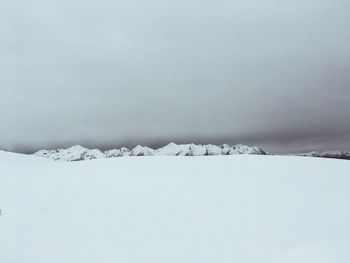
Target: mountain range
x: 329, y: 154
x: 78, y: 153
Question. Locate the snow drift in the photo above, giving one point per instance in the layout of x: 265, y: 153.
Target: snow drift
x: 78, y: 153
x: 241, y: 208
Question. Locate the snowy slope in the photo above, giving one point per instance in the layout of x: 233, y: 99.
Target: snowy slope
x: 78, y: 153
x: 239, y: 208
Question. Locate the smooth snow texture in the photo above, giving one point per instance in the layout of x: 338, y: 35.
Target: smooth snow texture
x: 239, y: 208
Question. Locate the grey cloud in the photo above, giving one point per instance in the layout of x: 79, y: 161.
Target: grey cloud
x: 124, y: 72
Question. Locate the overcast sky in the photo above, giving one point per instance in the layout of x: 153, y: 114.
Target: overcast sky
x: 111, y: 73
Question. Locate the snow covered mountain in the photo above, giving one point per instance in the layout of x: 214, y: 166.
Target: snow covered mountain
x: 78, y: 153
x: 74, y: 153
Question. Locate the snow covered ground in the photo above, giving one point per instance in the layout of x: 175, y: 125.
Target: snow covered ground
x: 239, y: 208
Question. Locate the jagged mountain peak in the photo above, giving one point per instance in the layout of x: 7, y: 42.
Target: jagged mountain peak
x: 78, y: 152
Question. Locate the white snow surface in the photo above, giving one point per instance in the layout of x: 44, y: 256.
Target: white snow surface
x: 78, y: 153
x: 239, y: 208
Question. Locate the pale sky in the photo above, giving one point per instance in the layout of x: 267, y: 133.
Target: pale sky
x: 111, y: 73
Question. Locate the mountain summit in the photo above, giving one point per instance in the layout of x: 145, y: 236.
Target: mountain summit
x: 78, y: 153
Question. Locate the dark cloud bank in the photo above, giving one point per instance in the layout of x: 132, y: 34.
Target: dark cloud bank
x: 112, y: 73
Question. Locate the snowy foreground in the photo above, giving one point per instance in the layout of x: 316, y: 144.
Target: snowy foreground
x: 239, y: 208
